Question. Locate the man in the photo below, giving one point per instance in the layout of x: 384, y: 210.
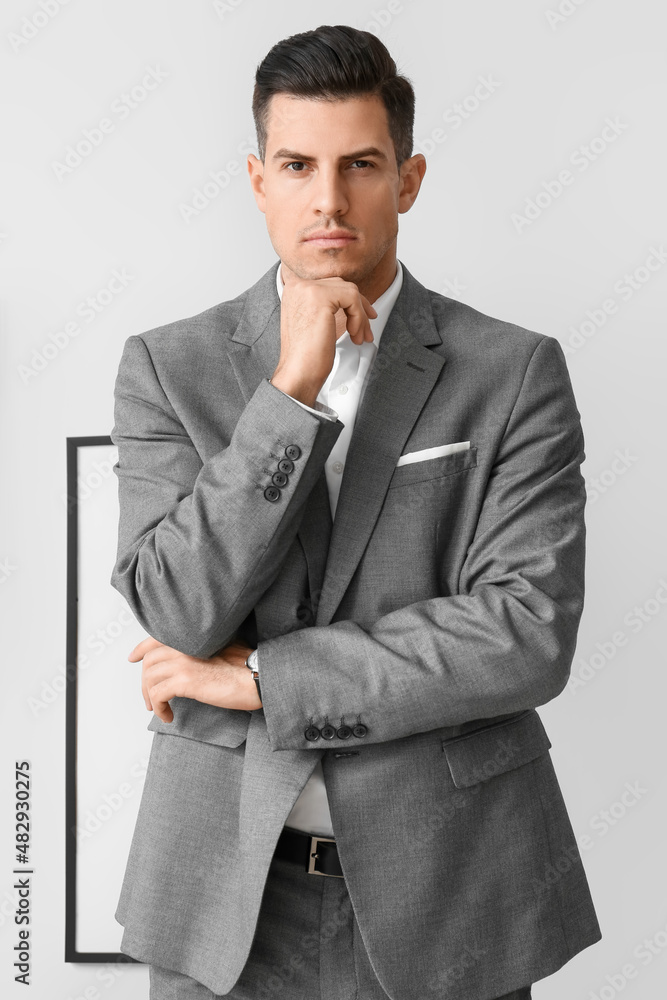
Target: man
x: 373, y: 494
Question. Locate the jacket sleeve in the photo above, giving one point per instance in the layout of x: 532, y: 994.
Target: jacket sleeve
x: 504, y: 642
x: 198, y: 541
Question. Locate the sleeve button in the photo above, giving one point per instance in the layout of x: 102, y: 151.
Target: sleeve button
x: 343, y: 732
x: 272, y: 493
x: 279, y: 479
x: 312, y: 733
x: 360, y: 730
x: 327, y: 732
x: 292, y: 451
x: 285, y: 465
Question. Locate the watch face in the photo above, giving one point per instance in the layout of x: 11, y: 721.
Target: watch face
x: 252, y: 660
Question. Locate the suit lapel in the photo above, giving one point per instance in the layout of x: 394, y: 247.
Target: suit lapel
x: 399, y: 383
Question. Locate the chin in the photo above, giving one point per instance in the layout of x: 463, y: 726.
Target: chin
x: 324, y: 269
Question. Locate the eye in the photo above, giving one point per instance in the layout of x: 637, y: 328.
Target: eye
x: 300, y: 163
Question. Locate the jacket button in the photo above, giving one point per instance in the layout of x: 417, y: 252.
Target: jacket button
x: 279, y: 479
x: 292, y: 451
x: 285, y: 465
x: 272, y: 493
x: 327, y: 732
x: 312, y: 733
x: 359, y: 730
x: 343, y: 732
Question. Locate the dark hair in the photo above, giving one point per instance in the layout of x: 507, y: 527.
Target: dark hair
x: 330, y: 63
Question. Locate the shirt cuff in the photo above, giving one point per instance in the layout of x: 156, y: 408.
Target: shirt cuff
x: 320, y: 408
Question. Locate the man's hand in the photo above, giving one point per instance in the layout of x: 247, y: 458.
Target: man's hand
x: 308, y: 331
x: 223, y: 680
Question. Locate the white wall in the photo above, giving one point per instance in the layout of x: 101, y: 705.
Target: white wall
x: 553, y: 81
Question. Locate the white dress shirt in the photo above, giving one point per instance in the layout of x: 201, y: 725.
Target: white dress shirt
x: 339, y: 398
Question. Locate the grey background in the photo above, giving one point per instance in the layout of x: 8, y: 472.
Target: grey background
x: 63, y: 234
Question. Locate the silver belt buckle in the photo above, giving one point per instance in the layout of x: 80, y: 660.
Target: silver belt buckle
x: 312, y: 855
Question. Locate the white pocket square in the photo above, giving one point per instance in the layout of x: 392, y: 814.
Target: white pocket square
x: 436, y: 452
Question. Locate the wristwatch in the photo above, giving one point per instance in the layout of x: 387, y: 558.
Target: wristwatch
x: 252, y: 664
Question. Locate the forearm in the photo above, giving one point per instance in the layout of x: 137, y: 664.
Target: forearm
x: 196, y: 553
x: 503, y: 642
x: 437, y: 663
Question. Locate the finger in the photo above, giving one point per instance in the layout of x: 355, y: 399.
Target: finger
x: 159, y: 696
x: 144, y: 691
x: 142, y: 648
x: 163, y: 710
x: 357, y: 321
x: 371, y: 312
x: 159, y: 671
x: 368, y: 305
x: 161, y: 654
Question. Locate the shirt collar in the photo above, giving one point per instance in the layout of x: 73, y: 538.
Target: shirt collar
x: 382, y: 305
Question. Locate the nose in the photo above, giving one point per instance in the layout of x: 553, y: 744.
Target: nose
x: 329, y: 194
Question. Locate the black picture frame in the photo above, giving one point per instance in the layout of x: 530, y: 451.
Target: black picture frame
x: 72, y: 952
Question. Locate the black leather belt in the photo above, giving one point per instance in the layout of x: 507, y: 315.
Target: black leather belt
x: 318, y: 855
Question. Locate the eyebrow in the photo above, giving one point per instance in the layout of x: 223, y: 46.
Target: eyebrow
x: 290, y: 154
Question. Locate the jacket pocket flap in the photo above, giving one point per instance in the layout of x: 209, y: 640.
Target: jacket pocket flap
x: 493, y: 749
x: 226, y: 727
x: 433, y: 468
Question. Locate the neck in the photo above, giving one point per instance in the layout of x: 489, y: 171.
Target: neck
x: 376, y: 284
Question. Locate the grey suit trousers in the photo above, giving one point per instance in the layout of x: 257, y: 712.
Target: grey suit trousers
x: 308, y: 946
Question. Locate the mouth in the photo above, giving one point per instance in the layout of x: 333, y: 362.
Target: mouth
x: 328, y: 240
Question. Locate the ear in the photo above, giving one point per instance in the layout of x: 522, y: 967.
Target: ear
x: 411, y: 176
x: 256, y: 173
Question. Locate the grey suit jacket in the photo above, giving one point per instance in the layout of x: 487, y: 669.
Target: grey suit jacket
x: 438, y: 609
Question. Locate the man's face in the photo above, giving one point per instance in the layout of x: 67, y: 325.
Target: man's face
x: 330, y: 168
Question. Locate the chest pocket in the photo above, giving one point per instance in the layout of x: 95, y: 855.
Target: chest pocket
x: 433, y: 468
